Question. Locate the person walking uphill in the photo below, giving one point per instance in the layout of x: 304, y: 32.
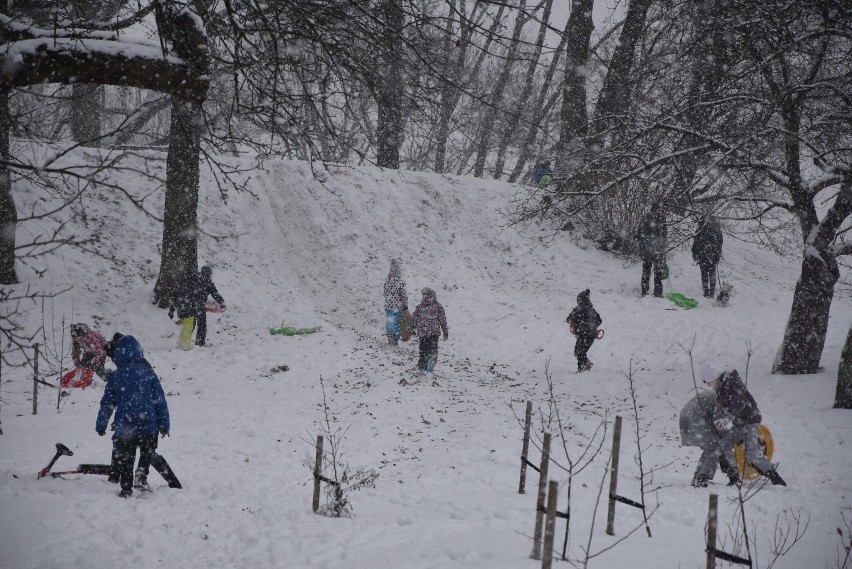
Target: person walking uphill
x: 651, y: 238
x: 584, y: 321
x: 190, y: 302
x: 740, y: 422
x: 204, y: 288
x: 396, y: 300
x: 429, y: 320
x: 706, y: 252
x: 135, y: 394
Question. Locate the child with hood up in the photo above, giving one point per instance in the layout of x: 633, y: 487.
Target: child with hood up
x: 135, y: 395
x: 396, y: 301
x: 584, y: 321
x: 429, y: 320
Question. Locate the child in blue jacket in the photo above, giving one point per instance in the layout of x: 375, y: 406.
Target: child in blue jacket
x: 135, y: 394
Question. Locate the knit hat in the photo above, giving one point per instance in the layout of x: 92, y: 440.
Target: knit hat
x: 583, y: 296
x: 395, y: 268
x: 709, y: 372
x: 426, y: 291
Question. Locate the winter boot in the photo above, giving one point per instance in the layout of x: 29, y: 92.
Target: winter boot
x: 731, y: 471
x: 392, y: 339
x: 774, y: 477
x: 125, y: 493
x: 700, y: 481
x: 140, y: 481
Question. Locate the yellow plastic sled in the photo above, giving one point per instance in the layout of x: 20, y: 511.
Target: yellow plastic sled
x: 766, y: 444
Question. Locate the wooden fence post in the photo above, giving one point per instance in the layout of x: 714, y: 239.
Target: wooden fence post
x: 550, y: 524
x: 35, y: 380
x: 542, y: 491
x: 613, y: 476
x: 712, y: 516
x: 525, y: 448
x: 317, y: 473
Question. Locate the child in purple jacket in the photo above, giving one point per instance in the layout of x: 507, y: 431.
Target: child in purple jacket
x: 429, y: 321
x: 741, y: 421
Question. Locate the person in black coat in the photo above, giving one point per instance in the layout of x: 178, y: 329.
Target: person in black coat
x: 584, y: 321
x: 190, y: 301
x: 706, y: 252
x: 651, y: 238
x: 204, y: 288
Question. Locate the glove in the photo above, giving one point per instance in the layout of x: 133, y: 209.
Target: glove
x: 723, y: 424
x: 222, y: 306
x: 163, y: 433
x: 101, y: 433
x: 171, y: 313
x: 446, y: 336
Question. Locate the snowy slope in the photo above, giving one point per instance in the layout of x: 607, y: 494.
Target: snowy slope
x: 311, y: 252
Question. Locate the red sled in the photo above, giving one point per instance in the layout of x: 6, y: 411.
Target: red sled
x: 215, y: 309
x: 572, y: 326
x: 405, y: 325
x: 78, y: 377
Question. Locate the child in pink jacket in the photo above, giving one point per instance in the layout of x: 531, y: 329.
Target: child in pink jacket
x: 429, y: 321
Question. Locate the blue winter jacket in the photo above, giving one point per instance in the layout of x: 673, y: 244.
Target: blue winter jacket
x: 134, y: 393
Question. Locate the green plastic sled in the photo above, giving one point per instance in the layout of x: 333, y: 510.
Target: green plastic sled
x: 681, y: 300
x: 289, y: 331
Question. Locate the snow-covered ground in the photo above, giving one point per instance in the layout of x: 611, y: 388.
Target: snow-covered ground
x: 310, y: 253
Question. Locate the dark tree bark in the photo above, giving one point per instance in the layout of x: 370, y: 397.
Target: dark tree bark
x: 574, y: 114
x: 615, y: 94
x: 843, y: 395
x: 391, y: 87
x: 8, y: 210
x: 65, y: 60
x: 180, y: 214
x: 86, y: 106
x: 804, y: 337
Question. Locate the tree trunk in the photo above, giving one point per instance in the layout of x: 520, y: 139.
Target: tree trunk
x: 389, y: 126
x: 520, y: 108
x: 843, y: 395
x: 496, y: 101
x: 8, y: 210
x: 574, y: 114
x: 615, y: 94
x: 541, y: 110
x: 804, y: 336
x: 180, y: 215
x: 86, y: 113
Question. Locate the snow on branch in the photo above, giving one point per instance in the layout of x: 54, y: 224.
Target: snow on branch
x: 176, y: 63
x: 106, y: 62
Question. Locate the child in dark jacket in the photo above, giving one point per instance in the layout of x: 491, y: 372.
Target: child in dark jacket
x: 429, y: 320
x: 584, y: 321
x: 135, y: 394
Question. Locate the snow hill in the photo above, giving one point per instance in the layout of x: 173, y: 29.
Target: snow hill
x: 311, y: 250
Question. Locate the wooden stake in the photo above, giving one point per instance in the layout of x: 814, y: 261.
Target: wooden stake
x: 35, y: 380
x: 550, y: 524
x: 525, y: 448
x: 712, y: 516
x: 613, y: 476
x: 317, y: 473
x: 542, y: 492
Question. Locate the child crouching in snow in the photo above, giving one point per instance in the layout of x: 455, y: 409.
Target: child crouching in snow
x: 429, y: 321
x: 584, y: 321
